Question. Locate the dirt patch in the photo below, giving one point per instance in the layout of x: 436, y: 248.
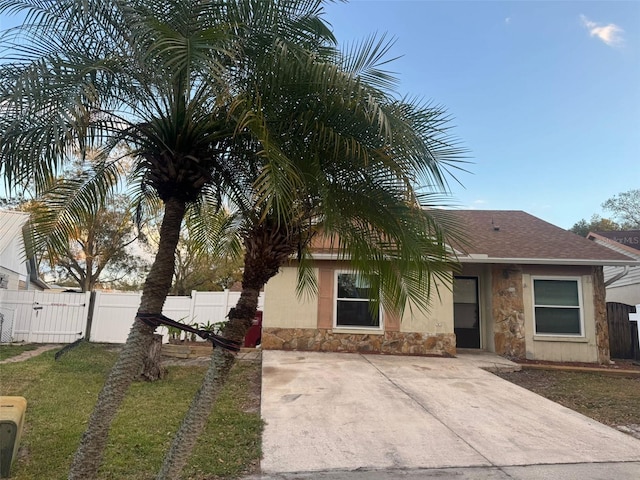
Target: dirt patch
x: 610, y: 399
x: 185, y: 362
x: 29, y: 352
x: 254, y: 392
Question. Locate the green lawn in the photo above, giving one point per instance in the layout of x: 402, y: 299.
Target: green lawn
x: 61, y: 394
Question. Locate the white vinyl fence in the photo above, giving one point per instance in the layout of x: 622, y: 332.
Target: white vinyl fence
x: 42, y: 317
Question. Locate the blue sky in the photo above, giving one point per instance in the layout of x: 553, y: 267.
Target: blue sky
x: 544, y: 94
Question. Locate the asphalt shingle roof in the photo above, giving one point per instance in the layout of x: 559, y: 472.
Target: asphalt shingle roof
x: 514, y: 234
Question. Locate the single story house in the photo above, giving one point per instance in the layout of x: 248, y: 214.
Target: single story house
x: 622, y: 283
x: 526, y: 289
x: 16, y: 271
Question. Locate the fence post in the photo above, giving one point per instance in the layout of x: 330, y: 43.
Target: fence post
x: 635, y: 317
x: 34, y: 313
x: 192, y: 305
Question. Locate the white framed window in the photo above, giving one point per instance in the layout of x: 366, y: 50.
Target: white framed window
x: 557, y: 304
x: 352, y: 307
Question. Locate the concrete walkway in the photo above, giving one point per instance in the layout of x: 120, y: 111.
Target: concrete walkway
x: 31, y: 353
x: 335, y: 416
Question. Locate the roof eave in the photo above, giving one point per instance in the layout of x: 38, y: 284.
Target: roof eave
x: 327, y: 256
x: 521, y: 261
x: 549, y: 261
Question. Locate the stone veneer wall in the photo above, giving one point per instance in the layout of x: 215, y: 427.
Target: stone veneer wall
x: 600, y: 314
x: 326, y: 340
x: 507, y: 309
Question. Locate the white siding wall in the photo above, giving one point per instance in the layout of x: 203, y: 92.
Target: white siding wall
x: 626, y: 289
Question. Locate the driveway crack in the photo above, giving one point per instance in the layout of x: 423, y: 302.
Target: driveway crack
x: 426, y: 409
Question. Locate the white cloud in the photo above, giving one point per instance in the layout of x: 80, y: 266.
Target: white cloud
x: 507, y: 20
x: 610, y: 34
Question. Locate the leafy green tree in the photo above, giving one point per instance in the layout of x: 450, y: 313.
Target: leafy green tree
x: 625, y: 207
x: 203, y: 272
x: 209, y: 253
x: 625, y: 213
x: 96, y: 252
x: 244, y: 101
x: 596, y: 224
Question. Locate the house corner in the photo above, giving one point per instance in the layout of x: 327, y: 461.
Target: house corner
x: 600, y: 315
x: 508, y: 311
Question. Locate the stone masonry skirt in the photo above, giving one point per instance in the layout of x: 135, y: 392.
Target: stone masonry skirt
x: 326, y: 340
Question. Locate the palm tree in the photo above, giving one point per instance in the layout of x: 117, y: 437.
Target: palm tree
x: 350, y: 160
x: 243, y: 101
x: 148, y: 77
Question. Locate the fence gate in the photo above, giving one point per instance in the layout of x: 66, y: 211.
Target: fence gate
x: 42, y: 317
x: 622, y: 333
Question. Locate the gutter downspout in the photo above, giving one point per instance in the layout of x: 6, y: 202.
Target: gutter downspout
x: 618, y: 276
x: 27, y: 281
x: 33, y: 273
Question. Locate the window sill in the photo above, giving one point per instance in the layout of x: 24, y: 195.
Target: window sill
x: 360, y: 331
x: 557, y: 338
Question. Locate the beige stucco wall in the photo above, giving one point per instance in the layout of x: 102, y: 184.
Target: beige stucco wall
x: 283, y: 308
x: 561, y: 348
x: 439, y: 318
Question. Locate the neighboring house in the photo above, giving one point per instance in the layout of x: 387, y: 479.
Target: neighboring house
x: 16, y: 271
x: 622, y: 283
x: 526, y: 289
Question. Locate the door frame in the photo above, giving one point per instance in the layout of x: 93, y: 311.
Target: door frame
x: 478, y: 306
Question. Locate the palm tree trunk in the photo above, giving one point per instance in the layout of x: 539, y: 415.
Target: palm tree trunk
x: 266, y: 249
x: 196, y: 417
x: 212, y: 384
x: 129, y: 364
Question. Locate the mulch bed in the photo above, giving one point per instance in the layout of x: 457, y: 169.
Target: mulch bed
x: 617, y: 364
x: 610, y: 394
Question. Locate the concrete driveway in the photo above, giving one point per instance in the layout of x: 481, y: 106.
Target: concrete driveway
x: 329, y: 412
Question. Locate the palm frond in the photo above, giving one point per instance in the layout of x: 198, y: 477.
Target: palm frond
x: 365, y: 60
x: 215, y: 229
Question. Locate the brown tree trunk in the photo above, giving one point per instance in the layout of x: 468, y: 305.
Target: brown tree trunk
x: 266, y: 249
x: 152, y: 369
x: 128, y: 367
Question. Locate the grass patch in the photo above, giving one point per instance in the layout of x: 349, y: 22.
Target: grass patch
x: 61, y: 395
x: 610, y: 399
x: 8, y: 351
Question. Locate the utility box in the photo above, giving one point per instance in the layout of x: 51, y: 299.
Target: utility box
x: 12, y: 410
